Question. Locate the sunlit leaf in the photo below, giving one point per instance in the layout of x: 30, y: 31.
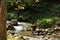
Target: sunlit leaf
x: 23, y: 4
x: 36, y: 0
x: 12, y: 4
x: 16, y: 8
x: 17, y: 2
x: 21, y: 7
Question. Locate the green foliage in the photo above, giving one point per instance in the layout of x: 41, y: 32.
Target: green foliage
x: 11, y: 15
x: 47, y: 20
x: 46, y: 23
x: 28, y: 11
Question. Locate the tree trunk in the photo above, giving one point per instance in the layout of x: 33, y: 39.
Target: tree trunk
x: 3, y: 14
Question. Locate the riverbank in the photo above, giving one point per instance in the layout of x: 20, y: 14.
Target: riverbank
x: 20, y: 37
x: 27, y: 35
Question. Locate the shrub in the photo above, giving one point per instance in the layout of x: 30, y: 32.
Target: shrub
x: 46, y: 23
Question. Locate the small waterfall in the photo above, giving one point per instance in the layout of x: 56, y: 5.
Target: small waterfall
x: 18, y: 28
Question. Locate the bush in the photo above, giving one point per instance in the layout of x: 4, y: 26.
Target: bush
x: 46, y: 23
x: 11, y: 15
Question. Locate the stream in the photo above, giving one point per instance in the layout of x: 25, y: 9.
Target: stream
x: 22, y: 27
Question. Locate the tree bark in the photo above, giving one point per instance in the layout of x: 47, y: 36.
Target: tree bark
x: 3, y: 14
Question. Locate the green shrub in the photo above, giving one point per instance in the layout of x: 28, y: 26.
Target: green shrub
x: 46, y: 23
x: 11, y: 15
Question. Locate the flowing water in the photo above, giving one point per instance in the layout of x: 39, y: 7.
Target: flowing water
x: 21, y: 27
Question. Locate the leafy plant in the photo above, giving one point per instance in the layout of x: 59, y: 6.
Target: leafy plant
x: 45, y: 23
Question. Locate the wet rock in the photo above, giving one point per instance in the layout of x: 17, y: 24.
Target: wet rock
x: 35, y: 33
x: 8, y: 23
x: 53, y: 34
x: 22, y: 38
x: 48, y: 33
x: 46, y: 30
x: 14, y: 22
x: 57, y: 28
x: 29, y: 29
x: 46, y: 38
x: 10, y: 32
x: 43, y: 30
x: 10, y: 27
